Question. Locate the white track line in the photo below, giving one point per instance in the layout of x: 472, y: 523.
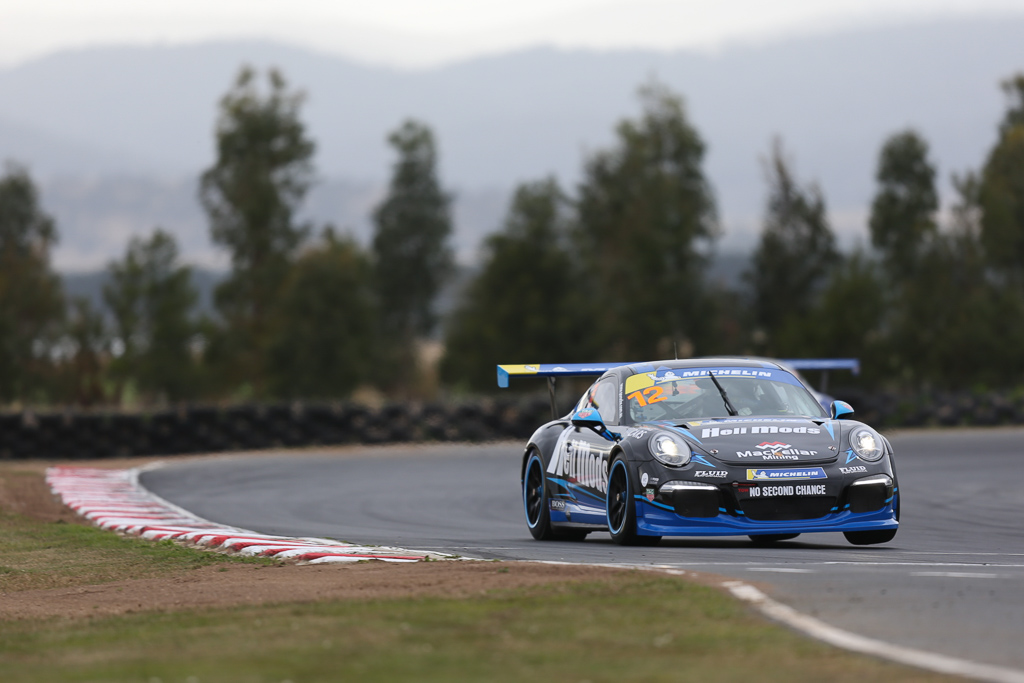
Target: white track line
x: 869, y: 646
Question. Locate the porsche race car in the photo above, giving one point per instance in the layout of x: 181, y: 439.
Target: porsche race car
x: 707, y: 447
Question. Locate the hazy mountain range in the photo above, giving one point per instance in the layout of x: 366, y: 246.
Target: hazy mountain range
x: 117, y: 136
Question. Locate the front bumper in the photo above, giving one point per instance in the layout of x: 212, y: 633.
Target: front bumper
x: 864, y: 502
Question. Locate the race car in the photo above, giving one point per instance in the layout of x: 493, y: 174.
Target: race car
x: 706, y: 447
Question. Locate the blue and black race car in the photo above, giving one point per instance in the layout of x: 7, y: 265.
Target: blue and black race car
x: 708, y: 447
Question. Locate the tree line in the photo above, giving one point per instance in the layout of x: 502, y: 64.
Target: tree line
x: 614, y: 269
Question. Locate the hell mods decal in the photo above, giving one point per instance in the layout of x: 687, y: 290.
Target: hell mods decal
x: 574, y: 460
x: 766, y: 450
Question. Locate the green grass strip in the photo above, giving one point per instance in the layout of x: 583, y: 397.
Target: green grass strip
x: 642, y: 627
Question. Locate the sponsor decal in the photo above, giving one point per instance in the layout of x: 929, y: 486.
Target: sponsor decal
x: 586, y: 413
x: 649, y: 379
x: 649, y: 493
x: 776, y: 491
x: 853, y: 470
x: 715, y: 474
x: 643, y: 479
x: 532, y: 368
x: 761, y: 474
x: 557, y: 504
x: 850, y: 455
x: 576, y: 462
x: 639, y: 433
x: 714, y: 432
x: 775, y: 450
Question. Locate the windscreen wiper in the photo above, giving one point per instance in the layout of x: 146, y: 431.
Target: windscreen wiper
x: 725, y: 397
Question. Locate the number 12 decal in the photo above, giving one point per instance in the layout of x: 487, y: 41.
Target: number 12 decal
x: 648, y: 395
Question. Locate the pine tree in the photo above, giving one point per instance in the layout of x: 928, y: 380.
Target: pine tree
x: 903, y: 211
x: 793, y: 259
x: 251, y: 195
x: 1001, y: 190
x: 152, y: 298
x: 412, y: 256
x: 325, y: 338
x: 31, y: 300
x: 526, y: 305
x: 646, y: 217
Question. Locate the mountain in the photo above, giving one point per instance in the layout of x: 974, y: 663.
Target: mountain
x: 148, y: 113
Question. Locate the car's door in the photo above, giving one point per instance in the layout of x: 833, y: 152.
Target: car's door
x: 581, y: 459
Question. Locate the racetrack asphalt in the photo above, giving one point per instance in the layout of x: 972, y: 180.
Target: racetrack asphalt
x: 952, y: 581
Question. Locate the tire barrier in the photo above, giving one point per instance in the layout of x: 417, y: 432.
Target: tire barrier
x: 114, y: 500
x: 73, y: 435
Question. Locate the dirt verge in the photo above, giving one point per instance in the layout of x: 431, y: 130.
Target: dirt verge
x: 23, y: 491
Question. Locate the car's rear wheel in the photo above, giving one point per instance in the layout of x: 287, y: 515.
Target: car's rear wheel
x: 769, y: 539
x: 535, y: 499
x: 537, y: 506
x: 870, y: 537
x: 622, y: 508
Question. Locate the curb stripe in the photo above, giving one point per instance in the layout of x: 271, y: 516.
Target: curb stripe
x: 116, y: 501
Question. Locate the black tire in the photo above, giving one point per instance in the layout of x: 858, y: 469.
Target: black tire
x: 770, y: 539
x: 870, y: 537
x: 621, y: 507
x: 537, y: 507
x: 535, y: 499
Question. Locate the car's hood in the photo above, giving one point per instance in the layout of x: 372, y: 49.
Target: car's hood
x: 759, y: 441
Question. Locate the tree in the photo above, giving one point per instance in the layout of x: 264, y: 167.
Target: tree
x: 955, y: 325
x: 1001, y: 190
x: 251, y: 194
x: 793, y: 259
x: 903, y: 211
x: 326, y: 330
x: 87, y: 345
x: 31, y: 300
x: 645, y: 213
x: 151, y: 298
x: 526, y: 304
x: 849, y: 319
x: 412, y: 257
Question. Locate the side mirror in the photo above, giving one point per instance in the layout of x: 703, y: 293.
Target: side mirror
x: 589, y: 418
x: 840, y: 409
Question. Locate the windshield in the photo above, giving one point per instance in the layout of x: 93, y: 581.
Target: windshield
x: 691, y: 394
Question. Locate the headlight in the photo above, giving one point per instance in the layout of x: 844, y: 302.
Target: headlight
x: 669, y: 450
x: 867, y: 444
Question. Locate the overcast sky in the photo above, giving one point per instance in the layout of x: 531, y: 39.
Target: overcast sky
x: 424, y: 33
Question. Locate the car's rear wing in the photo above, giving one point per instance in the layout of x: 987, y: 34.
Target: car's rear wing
x: 824, y: 365
x: 851, y: 364
x: 552, y: 372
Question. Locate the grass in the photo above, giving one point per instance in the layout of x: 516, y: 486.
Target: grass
x: 36, y: 555
x: 642, y: 628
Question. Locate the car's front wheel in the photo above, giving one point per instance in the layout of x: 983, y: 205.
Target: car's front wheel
x: 622, y: 508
